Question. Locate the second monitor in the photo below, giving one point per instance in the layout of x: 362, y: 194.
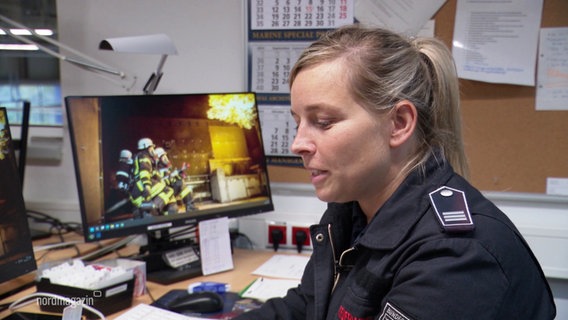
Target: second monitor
x: 152, y: 162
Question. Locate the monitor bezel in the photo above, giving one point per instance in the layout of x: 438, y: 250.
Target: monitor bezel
x: 21, y: 275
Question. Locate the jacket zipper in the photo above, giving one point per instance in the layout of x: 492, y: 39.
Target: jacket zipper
x: 336, y: 263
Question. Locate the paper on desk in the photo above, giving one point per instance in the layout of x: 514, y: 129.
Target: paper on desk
x: 215, y: 246
x: 283, y: 266
x: 145, y: 311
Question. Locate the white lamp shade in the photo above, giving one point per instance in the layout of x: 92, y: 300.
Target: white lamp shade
x: 149, y: 44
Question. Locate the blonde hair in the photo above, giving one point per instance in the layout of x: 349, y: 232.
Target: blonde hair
x: 384, y: 68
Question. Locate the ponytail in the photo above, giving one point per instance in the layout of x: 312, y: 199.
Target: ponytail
x: 445, y: 102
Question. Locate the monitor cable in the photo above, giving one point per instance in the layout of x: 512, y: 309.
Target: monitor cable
x: 57, y: 227
x: 108, y: 248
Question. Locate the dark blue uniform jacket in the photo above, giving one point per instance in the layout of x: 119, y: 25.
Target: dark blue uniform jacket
x: 406, y: 264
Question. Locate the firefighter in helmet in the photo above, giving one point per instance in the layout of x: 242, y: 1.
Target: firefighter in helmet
x: 122, y: 194
x: 142, y: 169
x: 174, y: 179
x: 150, y: 194
x: 123, y: 174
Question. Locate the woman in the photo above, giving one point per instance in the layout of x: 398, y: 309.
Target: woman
x: 404, y: 236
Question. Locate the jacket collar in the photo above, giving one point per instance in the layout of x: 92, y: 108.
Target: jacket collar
x: 405, y: 207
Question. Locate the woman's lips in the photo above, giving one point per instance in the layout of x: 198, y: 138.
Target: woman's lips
x: 317, y: 175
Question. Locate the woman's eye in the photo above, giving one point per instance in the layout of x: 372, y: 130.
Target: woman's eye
x: 324, y: 124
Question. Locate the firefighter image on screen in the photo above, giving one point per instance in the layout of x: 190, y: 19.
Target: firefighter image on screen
x: 124, y: 172
x: 174, y: 179
x: 149, y: 193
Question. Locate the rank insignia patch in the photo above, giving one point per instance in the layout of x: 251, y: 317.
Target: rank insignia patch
x: 451, y: 209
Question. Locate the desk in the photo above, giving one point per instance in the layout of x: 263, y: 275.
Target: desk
x: 245, y: 262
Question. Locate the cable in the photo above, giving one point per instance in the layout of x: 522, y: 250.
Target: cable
x: 235, y: 236
x: 57, y: 245
x: 300, y: 237
x: 187, y: 230
x: 150, y: 294
x: 24, y: 301
x: 107, y: 249
x: 57, y: 227
x: 277, y: 237
x: 13, y: 291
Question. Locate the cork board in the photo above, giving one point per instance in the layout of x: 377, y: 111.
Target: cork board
x: 510, y: 146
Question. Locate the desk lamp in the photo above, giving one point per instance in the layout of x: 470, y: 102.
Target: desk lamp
x: 149, y: 44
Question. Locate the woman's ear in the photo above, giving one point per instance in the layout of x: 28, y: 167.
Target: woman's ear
x: 404, y: 117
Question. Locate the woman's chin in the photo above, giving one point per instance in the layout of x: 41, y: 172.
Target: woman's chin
x: 325, y: 195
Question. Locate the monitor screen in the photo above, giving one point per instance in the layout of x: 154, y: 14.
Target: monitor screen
x: 147, y: 162
x: 16, y: 252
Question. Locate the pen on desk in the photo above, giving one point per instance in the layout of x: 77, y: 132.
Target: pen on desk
x: 249, y: 285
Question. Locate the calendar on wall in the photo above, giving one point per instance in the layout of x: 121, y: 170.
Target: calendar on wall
x: 278, y: 128
x: 299, y: 14
x: 278, y: 32
x: 271, y: 64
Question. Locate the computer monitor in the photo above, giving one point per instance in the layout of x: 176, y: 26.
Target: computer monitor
x: 17, y: 259
x: 216, y: 165
x: 19, y: 116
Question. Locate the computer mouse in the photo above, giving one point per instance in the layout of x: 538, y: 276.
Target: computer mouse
x: 198, y: 302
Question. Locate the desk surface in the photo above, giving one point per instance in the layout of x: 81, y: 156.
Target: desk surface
x: 244, y: 261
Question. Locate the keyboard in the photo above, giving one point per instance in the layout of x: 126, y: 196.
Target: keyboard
x: 148, y: 312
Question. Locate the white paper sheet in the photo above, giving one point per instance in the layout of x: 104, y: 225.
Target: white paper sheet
x: 496, y: 41
x: 283, y: 266
x: 427, y: 29
x: 215, y: 244
x: 557, y: 186
x: 404, y: 16
x: 145, y: 311
x: 552, y: 75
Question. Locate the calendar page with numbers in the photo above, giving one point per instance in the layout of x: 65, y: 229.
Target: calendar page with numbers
x: 278, y: 32
x: 299, y: 14
x: 278, y: 129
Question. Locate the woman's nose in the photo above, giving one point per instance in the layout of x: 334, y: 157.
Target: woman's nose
x: 302, y: 144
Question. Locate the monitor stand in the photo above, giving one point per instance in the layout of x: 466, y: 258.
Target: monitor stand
x: 169, y: 261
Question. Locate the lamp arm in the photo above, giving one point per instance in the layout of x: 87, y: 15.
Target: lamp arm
x: 50, y: 41
x: 161, y: 64
x: 90, y: 64
x: 155, y: 78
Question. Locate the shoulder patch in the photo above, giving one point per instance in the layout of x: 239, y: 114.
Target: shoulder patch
x: 451, y: 209
x: 392, y: 313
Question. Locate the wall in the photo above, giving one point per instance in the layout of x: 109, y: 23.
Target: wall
x: 210, y: 37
